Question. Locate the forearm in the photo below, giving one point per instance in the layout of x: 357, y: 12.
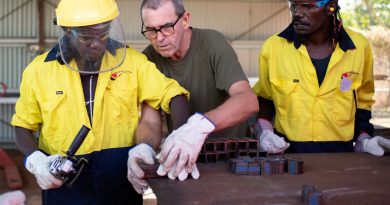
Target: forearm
x: 237, y: 108
x: 180, y: 111
x: 149, y: 128
x: 362, y: 123
x: 25, y: 141
x: 267, y: 109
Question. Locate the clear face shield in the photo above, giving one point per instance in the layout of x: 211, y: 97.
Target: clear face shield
x: 93, y: 49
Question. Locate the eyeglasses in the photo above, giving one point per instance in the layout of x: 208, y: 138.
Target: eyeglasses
x: 90, y: 38
x: 306, y: 6
x: 166, y: 30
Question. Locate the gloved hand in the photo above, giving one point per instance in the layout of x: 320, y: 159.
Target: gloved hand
x: 183, y: 174
x: 183, y: 145
x: 140, y: 153
x: 38, y: 164
x: 375, y: 145
x: 12, y: 198
x: 268, y: 140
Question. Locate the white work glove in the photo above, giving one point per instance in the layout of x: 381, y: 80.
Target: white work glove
x: 373, y: 145
x: 140, y: 153
x: 12, y: 198
x: 268, y: 140
x: 183, y: 174
x: 38, y: 164
x: 184, y: 144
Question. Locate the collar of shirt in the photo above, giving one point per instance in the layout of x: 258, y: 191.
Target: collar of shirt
x: 345, y: 42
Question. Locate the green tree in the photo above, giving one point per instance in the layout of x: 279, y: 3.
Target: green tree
x: 367, y: 13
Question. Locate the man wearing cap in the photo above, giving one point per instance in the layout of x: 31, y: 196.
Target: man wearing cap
x: 316, y: 85
x: 92, y: 78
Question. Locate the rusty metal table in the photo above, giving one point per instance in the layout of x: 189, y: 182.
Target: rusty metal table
x: 343, y: 178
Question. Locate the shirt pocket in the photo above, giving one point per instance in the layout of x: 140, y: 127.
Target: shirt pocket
x: 285, y: 98
x: 55, y: 117
x: 54, y: 110
x: 122, y: 106
x: 343, y: 107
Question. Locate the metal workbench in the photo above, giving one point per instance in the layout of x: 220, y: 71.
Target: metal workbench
x: 343, y: 178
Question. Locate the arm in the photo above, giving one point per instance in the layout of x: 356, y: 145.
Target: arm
x: 148, y: 137
x: 36, y: 162
x: 180, y: 111
x: 267, y: 110
x: 364, y: 98
x: 267, y: 139
x: 184, y: 144
x: 26, y: 120
x: 241, y: 104
x: 149, y: 127
x: 24, y: 140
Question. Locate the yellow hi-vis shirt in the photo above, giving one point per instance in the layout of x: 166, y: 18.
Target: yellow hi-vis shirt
x: 306, y: 111
x: 52, y: 100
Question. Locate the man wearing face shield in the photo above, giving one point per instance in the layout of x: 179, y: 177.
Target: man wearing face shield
x: 91, y: 78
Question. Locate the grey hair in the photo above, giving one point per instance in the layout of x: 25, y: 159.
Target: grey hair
x: 155, y: 4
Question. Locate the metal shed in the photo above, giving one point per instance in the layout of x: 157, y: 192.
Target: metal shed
x: 26, y: 29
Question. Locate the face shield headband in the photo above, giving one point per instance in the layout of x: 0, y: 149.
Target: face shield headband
x: 93, y: 49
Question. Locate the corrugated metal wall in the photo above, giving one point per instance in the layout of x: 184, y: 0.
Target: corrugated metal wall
x: 245, y: 23
x: 51, y: 31
x: 6, y: 110
x: 233, y: 18
x: 18, y: 29
x: 13, y: 59
x: 18, y: 19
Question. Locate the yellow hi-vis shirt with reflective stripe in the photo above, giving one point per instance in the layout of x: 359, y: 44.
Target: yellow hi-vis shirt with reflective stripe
x: 52, y: 100
x: 306, y: 111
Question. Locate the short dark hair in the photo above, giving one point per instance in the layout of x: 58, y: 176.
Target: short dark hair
x: 155, y: 4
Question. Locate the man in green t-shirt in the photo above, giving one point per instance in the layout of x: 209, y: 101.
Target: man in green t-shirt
x: 205, y: 64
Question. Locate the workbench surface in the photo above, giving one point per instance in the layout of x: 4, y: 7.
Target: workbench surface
x: 343, y: 178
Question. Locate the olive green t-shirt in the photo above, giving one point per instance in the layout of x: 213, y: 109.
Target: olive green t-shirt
x: 208, y: 70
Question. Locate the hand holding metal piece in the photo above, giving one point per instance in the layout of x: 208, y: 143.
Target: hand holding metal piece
x: 141, y: 153
x: 374, y: 145
x: 183, y: 174
x: 182, y: 146
x: 268, y: 140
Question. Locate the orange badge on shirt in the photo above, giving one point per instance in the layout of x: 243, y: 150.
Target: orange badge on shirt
x: 116, y: 75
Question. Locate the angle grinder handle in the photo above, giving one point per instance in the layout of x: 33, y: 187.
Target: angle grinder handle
x: 78, y: 140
